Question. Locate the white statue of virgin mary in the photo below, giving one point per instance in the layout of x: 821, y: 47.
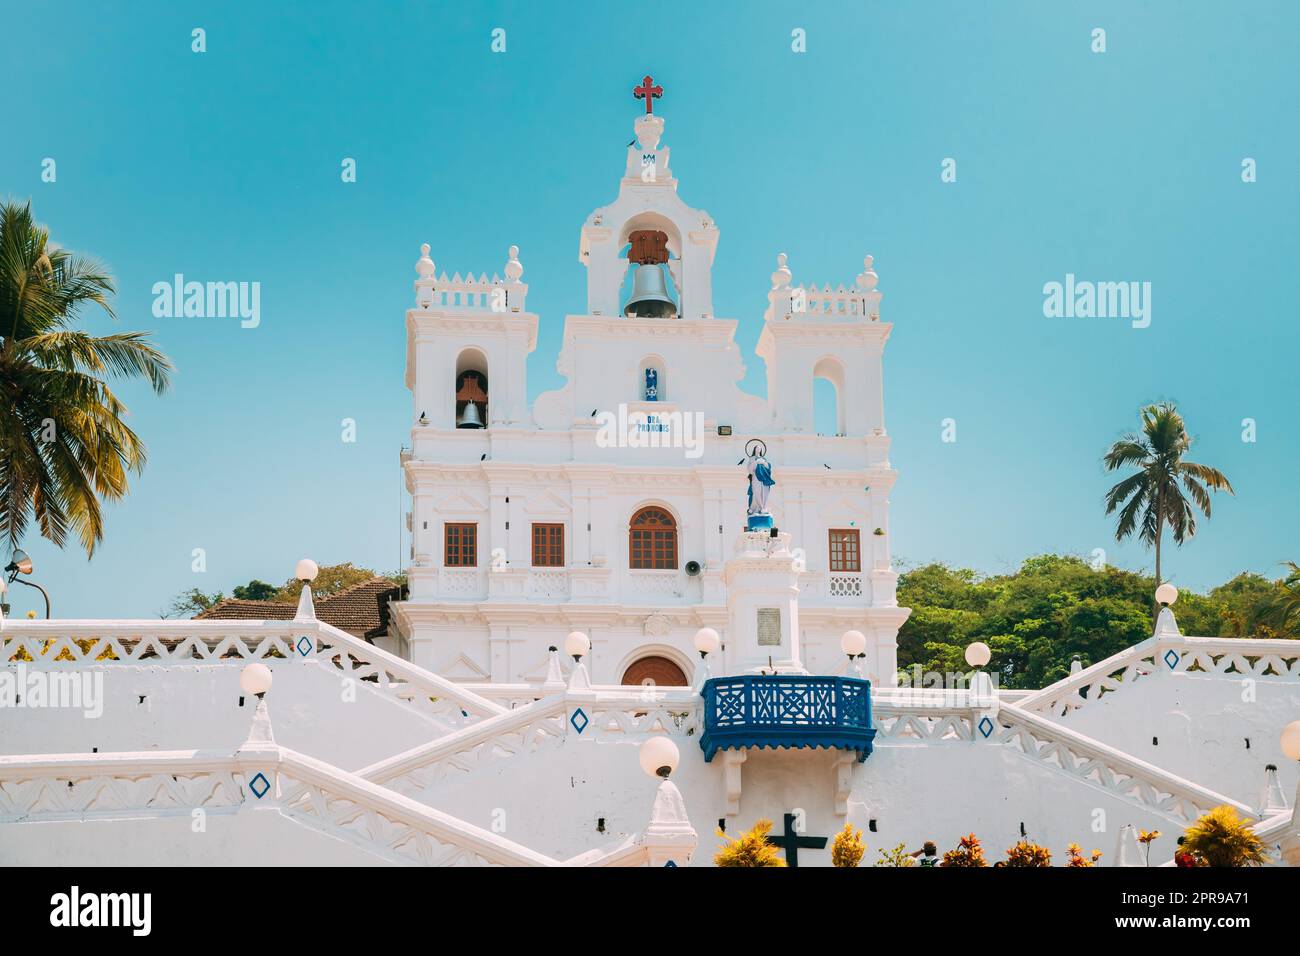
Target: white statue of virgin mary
x: 760, y: 482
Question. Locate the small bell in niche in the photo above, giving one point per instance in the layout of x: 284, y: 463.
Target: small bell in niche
x: 471, y: 400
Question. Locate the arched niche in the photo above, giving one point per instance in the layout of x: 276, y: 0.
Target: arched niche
x: 471, y: 388
x: 645, y: 380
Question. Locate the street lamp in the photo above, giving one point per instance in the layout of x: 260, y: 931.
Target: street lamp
x: 981, y: 690
x: 1166, y: 594
x: 659, y: 756
x: 707, y: 642
x: 255, y: 680
x: 854, y: 645
x: 576, y: 645
x: 1291, y: 740
x: 22, y: 564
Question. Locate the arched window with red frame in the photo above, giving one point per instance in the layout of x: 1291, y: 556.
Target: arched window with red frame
x: 652, y: 540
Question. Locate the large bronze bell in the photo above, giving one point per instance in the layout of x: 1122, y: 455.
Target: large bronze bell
x: 650, y: 298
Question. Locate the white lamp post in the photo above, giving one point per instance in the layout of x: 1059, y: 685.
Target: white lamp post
x: 1166, y: 595
x: 577, y: 645
x: 305, y: 571
x: 670, y: 838
x: 854, y: 645
x: 659, y: 756
x: 1291, y: 750
x: 977, y: 656
x: 1291, y: 740
x: 707, y: 642
x: 255, y: 679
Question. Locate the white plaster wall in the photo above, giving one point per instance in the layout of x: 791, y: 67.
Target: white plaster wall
x: 465, y: 652
x: 1201, y: 723
x: 246, y: 838
x: 197, y: 707
x: 551, y: 800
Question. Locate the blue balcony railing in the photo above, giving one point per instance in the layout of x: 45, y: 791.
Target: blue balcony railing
x: 787, y: 711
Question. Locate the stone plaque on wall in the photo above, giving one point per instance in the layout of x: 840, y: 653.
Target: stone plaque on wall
x: 769, y: 627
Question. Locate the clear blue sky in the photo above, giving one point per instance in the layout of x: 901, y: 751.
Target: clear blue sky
x: 1117, y: 166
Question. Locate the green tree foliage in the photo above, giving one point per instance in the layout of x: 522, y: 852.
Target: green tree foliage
x: 330, y: 580
x: 1036, y: 619
x: 254, y: 590
x: 192, y: 602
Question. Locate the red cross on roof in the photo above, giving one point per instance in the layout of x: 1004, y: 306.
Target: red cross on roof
x: 649, y: 92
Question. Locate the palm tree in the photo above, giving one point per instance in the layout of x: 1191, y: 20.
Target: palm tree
x: 1284, y: 610
x: 1157, y: 494
x: 63, y: 443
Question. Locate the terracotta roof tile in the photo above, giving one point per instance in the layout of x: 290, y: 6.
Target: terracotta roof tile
x: 361, y: 610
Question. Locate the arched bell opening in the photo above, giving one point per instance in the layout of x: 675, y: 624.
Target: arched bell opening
x: 471, y: 389
x: 828, y: 397
x: 650, y: 284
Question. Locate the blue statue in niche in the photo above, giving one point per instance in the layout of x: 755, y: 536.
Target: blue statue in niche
x: 760, y: 485
x: 651, y: 385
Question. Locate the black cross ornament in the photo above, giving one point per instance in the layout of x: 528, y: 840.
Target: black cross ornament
x: 791, y: 842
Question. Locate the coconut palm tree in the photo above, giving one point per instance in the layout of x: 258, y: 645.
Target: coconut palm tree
x: 1157, y: 494
x: 1284, y: 610
x: 64, y: 446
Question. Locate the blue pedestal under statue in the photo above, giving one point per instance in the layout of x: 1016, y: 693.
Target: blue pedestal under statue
x: 759, y: 523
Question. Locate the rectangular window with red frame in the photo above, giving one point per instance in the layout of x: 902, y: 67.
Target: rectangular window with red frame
x: 846, y: 553
x: 461, y: 545
x: 548, y: 545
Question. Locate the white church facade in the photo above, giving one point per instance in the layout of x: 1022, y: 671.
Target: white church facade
x: 642, y: 608
x: 613, y: 504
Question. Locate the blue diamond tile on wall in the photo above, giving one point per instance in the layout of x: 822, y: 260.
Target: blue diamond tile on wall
x: 1171, y: 658
x: 986, y: 727
x: 259, y: 785
x: 304, y: 645
x: 670, y: 863
x: 579, y: 720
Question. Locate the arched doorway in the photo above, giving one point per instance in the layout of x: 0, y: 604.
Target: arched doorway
x: 658, y: 671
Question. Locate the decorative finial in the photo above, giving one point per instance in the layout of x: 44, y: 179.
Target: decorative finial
x: 424, y: 267
x: 867, y: 279
x: 781, y: 277
x: 514, y: 268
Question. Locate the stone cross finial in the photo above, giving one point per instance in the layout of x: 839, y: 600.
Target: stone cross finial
x: 781, y: 277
